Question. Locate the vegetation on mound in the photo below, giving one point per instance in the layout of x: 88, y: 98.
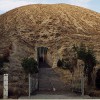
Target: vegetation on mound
x: 87, y: 55
x: 30, y: 65
x: 63, y: 64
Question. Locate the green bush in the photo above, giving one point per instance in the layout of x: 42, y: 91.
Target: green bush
x: 63, y: 64
x: 30, y: 65
x: 87, y: 55
x: 67, y: 65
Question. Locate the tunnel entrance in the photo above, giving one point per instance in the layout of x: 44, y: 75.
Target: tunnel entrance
x: 42, y: 57
x: 48, y: 80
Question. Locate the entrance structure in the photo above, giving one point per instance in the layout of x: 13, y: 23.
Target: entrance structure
x: 49, y: 81
x: 42, y: 54
x: 42, y: 57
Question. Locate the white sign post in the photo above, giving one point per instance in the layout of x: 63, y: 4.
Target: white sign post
x: 5, y: 86
x: 82, y: 84
x: 29, y: 85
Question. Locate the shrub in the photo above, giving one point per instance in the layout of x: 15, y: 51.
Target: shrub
x: 59, y: 63
x: 66, y: 63
x: 97, y: 81
x: 30, y: 65
x: 87, y: 55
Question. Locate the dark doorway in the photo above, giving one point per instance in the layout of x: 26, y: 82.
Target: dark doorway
x: 42, y: 57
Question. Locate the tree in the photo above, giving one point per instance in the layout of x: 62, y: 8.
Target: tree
x: 87, y: 55
x: 30, y: 65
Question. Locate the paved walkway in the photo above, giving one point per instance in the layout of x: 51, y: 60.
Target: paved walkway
x: 49, y: 81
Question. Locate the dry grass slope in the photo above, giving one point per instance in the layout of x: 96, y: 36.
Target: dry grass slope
x: 47, y: 23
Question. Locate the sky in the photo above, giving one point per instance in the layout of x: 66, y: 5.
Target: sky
x: 6, y: 5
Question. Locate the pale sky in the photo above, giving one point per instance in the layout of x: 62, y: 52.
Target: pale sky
x: 6, y: 5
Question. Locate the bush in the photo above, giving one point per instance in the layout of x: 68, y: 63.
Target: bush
x: 59, y: 63
x: 87, y: 55
x: 30, y: 65
x: 97, y: 81
x: 64, y: 64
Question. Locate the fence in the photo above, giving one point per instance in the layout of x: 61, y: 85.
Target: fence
x: 18, y: 85
x: 1, y: 86
x: 33, y: 83
x: 78, y: 81
x: 26, y: 85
